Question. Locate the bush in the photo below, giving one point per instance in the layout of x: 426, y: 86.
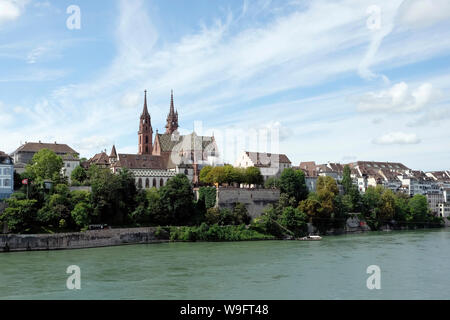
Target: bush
x: 216, y: 233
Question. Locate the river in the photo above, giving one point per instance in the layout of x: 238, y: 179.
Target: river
x: 414, y: 265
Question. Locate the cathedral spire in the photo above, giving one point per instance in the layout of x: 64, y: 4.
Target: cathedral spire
x: 145, y: 130
x: 172, y: 117
x: 145, y: 110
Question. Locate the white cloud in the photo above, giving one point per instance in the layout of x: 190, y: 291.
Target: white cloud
x: 11, y: 9
x: 422, y: 13
x: 397, y: 138
x: 398, y: 98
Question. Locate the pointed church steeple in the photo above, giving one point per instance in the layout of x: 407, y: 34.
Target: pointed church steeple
x: 145, y: 110
x: 145, y: 130
x: 172, y: 117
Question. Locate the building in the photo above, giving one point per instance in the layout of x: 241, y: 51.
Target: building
x: 6, y: 176
x: 270, y: 164
x: 24, y: 154
x: 164, y: 157
x: 373, y: 173
x: 442, y: 178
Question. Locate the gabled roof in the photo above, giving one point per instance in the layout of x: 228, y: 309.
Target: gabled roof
x: 264, y: 159
x: 37, y: 146
x: 138, y: 161
x: 100, y: 159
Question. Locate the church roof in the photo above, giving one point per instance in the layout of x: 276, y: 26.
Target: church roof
x: 138, y: 161
x: 172, y: 142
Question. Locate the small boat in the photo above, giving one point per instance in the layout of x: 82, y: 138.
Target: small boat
x: 310, y: 238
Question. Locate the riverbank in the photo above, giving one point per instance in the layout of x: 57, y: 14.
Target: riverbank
x: 80, y: 240
x: 141, y: 235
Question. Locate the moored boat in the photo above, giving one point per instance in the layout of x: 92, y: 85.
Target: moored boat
x: 310, y: 238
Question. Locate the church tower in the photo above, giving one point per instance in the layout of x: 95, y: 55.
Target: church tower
x: 145, y: 130
x: 172, y: 117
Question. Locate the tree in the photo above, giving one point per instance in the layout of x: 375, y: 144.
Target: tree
x: 347, y: 182
x: 294, y: 220
x: 253, y: 176
x: 272, y: 183
x: 45, y: 165
x: 217, y: 175
x: 203, y: 175
x: 79, y: 174
x: 418, y: 209
x: 20, y: 215
x: 323, y: 207
x: 240, y: 214
x: 177, y: 200
x: 386, y: 210
x: 293, y: 183
x: 113, y: 196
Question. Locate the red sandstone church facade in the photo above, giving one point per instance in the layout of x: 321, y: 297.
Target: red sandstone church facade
x: 162, y: 158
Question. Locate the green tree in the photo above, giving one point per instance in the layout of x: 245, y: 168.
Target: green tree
x: 347, y: 182
x: 113, y: 196
x: 20, y: 215
x: 45, y: 165
x: 177, y: 200
x: 253, y: 176
x: 272, y: 183
x: 240, y: 214
x: 204, y: 175
x: 79, y: 175
x: 294, y: 220
x: 293, y: 183
x: 418, y: 210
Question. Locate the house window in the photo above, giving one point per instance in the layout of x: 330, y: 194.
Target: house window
x: 147, y: 183
x: 68, y: 165
x: 140, y: 183
x: 154, y: 182
x: 7, y: 183
x: 161, y: 182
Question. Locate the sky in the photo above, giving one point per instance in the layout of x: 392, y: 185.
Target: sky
x: 324, y: 81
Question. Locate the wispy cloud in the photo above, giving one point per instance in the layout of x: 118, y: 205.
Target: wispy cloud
x: 397, y: 138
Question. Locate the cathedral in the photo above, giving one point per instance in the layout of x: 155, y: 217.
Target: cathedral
x: 163, y: 157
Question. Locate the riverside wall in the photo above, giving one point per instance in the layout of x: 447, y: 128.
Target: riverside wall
x: 79, y: 240
x: 255, y: 200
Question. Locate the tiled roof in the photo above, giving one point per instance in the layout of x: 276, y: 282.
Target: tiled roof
x: 37, y: 146
x: 137, y: 161
x: 442, y: 176
x: 263, y: 159
x: 100, y: 159
x: 174, y: 142
x: 4, y: 157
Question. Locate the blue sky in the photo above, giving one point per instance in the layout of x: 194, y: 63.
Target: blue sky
x: 336, y: 81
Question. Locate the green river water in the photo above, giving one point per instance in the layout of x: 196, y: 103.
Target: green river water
x: 414, y: 265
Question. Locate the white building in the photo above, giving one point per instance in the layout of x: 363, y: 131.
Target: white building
x: 270, y: 164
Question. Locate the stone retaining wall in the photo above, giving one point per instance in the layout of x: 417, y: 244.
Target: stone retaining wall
x: 78, y: 240
x: 254, y: 199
